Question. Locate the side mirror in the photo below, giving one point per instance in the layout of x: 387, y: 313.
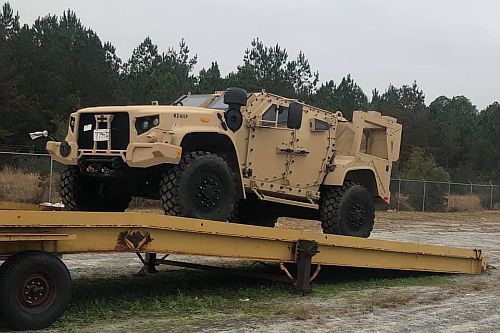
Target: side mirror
x: 39, y: 134
x: 294, y: 120
x: 235, y: 98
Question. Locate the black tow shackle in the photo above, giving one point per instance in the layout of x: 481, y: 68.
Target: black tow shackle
x: 235, y: 98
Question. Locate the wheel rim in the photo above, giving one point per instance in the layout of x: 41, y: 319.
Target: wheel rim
x: 208, y: 192
x: 357, y: 216
x: 36, y: 291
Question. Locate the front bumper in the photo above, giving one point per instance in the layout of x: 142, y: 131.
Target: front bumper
x: 137, y: 155
x: 143, y: 155
x: 54, y: 149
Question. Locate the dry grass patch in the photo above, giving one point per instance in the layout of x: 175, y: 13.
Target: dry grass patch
x: 301, y: 312
x: 402, y: 202
x: 465, y: 203
x: 295, y: 311
x: 394, y: 299
x: 19, y: 186
x: 143, y: 203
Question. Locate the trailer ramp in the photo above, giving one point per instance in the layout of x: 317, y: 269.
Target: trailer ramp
x: 59, y: 232
x: 77, y: 232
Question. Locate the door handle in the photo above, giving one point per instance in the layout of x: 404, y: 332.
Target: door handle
x: 288, y: 150
x: 284, y: 150
x: 301, y: 152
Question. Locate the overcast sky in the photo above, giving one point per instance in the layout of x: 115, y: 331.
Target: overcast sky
x: 450, y: 47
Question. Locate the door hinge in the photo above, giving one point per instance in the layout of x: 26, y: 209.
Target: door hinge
x: 247, y: 172
x: 329, y: 167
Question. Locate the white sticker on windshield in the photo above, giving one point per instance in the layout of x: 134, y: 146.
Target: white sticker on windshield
x: 87, y: 128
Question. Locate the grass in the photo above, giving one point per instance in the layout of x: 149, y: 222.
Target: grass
x: 184, y: 297
x: 394, y: 299
x: 468, y: 203
x: 19, y: 186
x: 457, y: 203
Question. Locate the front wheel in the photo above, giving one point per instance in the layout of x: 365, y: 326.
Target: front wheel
x: 347, y: 210
x: 87, y: 194
x: 200, y: 186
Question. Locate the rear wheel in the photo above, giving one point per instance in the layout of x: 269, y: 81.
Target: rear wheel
x: 200, y: 186
x: 87, y: 194
x: 347, y: 210
x: 35, y: 288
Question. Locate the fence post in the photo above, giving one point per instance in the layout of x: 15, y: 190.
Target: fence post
x: 399, y: 193
x: 491, y: 195
x: 50, y: 178
x: 449, y: 194
x: 423, y: 199
x: 470, y: 193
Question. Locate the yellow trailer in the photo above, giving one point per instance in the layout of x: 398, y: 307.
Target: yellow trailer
x: 35, y: 284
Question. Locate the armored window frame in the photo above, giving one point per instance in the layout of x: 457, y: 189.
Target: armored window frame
x: 275, y: 116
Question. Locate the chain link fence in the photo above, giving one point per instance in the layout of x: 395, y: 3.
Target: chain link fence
x: 29, y: 174
x: 423, y: 195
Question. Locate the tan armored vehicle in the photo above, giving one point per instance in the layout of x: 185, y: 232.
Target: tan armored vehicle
x: 246, y: 158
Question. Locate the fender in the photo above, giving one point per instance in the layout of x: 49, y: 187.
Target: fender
x: 216, y: 141
x: 350, y: 168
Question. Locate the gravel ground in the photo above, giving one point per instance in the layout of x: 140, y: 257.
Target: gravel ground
x: 467, y: 304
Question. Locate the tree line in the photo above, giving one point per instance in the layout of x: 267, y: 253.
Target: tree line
x: 57, y: 65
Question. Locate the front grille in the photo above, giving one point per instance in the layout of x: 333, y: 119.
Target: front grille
x: 120, y: 132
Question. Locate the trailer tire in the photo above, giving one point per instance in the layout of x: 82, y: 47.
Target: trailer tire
x: 347, y: 210
x: 200, y: 186
x: 35, y: 288
x: 81, y: 194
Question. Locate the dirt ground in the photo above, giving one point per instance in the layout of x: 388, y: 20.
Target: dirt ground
x: 469, y: 304
x: 461, y: 304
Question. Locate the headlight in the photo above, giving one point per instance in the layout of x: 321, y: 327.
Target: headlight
x: 144, y: 124
x: 72, y: 124
x: 65, y: 149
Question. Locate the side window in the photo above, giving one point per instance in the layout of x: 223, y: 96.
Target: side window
x: 269, y: 117
x: 282, y: 116
x: 275, y: 116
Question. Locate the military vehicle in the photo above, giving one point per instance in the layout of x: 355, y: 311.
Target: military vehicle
x: 231, y: 156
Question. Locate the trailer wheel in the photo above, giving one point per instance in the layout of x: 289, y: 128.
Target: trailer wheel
x: 83, y: 194
x: 35, y: 288
x: 200, y: 186
x: 347, y: 210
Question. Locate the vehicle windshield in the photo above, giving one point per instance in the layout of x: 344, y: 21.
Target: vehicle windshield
x: 192, y: 100
x: 218, y: 103
x: 199, y: 100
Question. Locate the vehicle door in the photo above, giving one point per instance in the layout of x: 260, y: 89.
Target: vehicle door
x: 269, y: 147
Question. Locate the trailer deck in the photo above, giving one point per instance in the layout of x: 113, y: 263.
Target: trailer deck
x: 29, y: 236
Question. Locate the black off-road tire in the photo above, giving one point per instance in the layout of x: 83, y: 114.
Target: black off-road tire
x: 347, y: 210
x: 82, y: 194
x: 35, y: 288
x: 68, y: 188
x: 200, y: 186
